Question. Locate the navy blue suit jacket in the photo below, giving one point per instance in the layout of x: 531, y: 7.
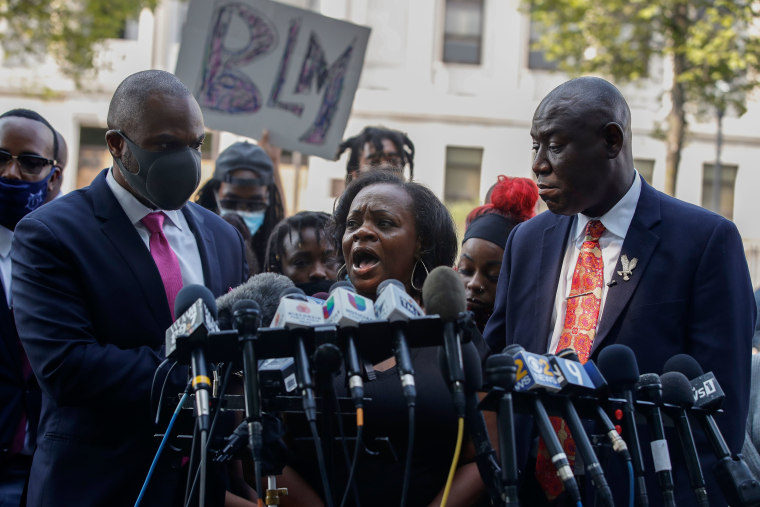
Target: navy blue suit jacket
x: 91, y: 312
x: 690, y: 293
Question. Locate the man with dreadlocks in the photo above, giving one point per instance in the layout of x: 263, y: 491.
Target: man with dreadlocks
x: 375, y: 146
x: 299, y: 249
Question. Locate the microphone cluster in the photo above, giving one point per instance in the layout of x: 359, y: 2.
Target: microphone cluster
x: 278, y: 333
x: 614, y: 400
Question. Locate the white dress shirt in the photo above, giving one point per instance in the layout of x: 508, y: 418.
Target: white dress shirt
x: 176, y: 230
x: 616, y: 222
x: 6, y: 237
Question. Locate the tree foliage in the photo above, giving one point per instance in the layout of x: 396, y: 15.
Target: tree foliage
x: 704, y: 42
x: 71, y: 31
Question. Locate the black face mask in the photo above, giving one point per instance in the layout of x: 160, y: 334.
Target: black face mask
x: 167, y: 179
x: 311, y: 288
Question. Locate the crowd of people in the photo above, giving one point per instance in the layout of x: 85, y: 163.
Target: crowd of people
x: 91, y: 279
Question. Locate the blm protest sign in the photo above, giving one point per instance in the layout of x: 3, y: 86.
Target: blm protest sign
x: 258, y: 64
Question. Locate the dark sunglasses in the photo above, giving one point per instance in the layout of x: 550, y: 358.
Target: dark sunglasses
x: 31, y: 165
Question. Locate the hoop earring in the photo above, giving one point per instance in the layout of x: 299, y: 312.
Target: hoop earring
x: 414, y: 270
x: 342, y: 268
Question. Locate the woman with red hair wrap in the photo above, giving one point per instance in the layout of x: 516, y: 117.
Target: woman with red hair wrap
x: 512, y: 200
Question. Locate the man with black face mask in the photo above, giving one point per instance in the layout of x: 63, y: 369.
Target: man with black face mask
x: 27, y: 173
x: 95, y: 275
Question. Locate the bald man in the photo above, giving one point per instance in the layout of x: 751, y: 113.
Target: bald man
x: 668, y: 277
x: 92, y: 307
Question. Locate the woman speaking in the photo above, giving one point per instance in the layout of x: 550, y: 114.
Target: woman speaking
x: 390, y: 229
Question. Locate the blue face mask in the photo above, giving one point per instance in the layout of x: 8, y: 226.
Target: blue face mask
x: 18, y: 197
x: 253, y: 219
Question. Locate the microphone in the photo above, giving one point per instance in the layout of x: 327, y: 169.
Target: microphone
x: 649, y: 388
x: 264, y: 288
x: 597, y: 382
x: 534, y: 373
x: 347, y: 309
x: 500, y: 373
x: 196, y: 308
x: 676, y: 391
x: 618, y: 365
x: 443, y: 294
x: 296, y: 312
x: 396, y: 306
x: 734, y: 477
x: 573, y: 378
x: 246, y: 315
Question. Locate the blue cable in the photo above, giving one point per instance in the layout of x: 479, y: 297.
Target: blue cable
x: 630, y: 481
x: 161, y: 447
x: 579, y: 504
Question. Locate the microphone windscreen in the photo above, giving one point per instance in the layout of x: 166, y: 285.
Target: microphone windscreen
x: 264, y: 288
x: 342, y: 283
x: 292, y: 291
x: 443, y: 293
x: 649, y: 379
x: 500, y: 371
x: 513, y: 349
x: 649, y: 388
x: 685, y: 364
x: 321, y: 295
x: 569, y: 354
x: 390, y: 281
x: 245, y: 304
x: 189, y: 294
x: 617, y: 363
x: 676, y: 389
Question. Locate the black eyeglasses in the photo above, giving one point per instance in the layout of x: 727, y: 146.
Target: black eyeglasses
x: 31, y: 165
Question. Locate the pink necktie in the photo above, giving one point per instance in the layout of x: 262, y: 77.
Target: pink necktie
x: 164, y: 257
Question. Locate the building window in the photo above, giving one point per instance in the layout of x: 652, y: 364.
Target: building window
x: 337, y: 186
x: 727, y: 184
x: 463, y: 31
x: 93, y: 154
x: 645, y: 167
x: 462, y: 174
x: 537, y: 57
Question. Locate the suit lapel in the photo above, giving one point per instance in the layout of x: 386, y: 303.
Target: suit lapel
x: 640, y: 242
x: 552, y: 250
x: 120, y: 231
x: 206, y: 249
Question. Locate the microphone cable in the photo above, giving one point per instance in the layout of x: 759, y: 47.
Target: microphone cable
x: 321, y: 463
x: 343, y: 444
x: 163, y: 389
x: 631, y: 483
x: 357, y: 450
x: 409, y: 451
x: 161, y: 446
x: 454, y: 462
x: 153, y: 383
x: 200, y: 472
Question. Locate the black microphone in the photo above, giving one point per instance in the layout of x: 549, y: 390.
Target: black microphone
x: 736, y: 481
x: 196, y: 308
x: 598, y: 383
x: 246, y: 315
x: 501, y: 373
x: 290, y: 314
x: 395, y: 305
x: 618, y: 365
x: 572, y: 373
x: 349, y: 318
x: 443, y: 294
x: 649, y: 388
x: 533, y: 368
x: 676, y: 392
x: 264, y: 288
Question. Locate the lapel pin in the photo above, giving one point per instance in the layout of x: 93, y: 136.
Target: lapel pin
x: 628, y: 267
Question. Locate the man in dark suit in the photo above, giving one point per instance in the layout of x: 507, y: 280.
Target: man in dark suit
x: 94, y: 284
x: 28, y: 172
x: 675, y: 279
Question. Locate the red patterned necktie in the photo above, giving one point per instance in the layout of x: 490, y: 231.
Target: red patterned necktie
x: 163, y: 255
x: 579, y: 330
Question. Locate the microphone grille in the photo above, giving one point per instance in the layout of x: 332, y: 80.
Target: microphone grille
x: 443, y: 293
x: 617, y: 363
x: 685, y: 364
x: 189, y: 294
x: 676, y: 389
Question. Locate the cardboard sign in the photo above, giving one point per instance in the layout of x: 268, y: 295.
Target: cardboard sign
x: 255, y: 64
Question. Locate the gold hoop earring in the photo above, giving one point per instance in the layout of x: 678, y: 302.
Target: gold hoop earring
x: 342, y: 268
x: 414, y: 270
